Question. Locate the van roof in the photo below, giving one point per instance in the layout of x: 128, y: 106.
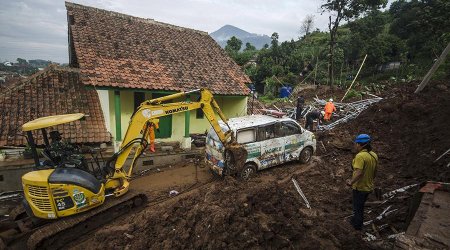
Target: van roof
x: 253, y: 120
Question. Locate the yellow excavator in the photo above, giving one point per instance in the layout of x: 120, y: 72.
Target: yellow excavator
x: 65, y: 190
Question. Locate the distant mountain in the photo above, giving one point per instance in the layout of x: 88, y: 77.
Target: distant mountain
x: 222, y: 35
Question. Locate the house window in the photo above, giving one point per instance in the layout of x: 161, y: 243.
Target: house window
x: 139, y: 97
x: 199, y: 114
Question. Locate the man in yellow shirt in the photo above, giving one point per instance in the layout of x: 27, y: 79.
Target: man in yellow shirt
x: 364, y: 167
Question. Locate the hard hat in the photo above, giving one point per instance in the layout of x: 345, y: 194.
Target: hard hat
x: 322, y: 112
x: 363, y: 138
x: 331, y: 99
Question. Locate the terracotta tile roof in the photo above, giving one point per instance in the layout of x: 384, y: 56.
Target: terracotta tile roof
x: 122, y: 51
x: 53, y: 91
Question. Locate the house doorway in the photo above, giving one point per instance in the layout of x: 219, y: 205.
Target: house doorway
x: 165, y: 122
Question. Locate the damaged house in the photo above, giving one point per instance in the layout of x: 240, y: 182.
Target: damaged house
x: 53, y: 91
x: 128, y: 60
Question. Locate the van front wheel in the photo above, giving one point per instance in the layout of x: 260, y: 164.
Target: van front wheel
x: 248, y: 171
x: 305, y: 155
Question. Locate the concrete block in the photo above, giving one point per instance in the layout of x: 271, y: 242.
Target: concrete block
x: 167, y: 148
x: 186, y: 143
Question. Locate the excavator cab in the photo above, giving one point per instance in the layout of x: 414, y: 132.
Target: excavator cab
x: 61, y: 185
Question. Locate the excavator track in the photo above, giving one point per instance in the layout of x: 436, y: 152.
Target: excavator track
x: 57, y: 234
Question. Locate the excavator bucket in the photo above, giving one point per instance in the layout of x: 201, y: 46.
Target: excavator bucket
x: 235, y: 157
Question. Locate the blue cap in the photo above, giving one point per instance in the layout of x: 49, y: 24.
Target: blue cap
x: 362, y: 138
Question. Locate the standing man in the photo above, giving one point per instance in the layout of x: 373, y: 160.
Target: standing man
x: 300, y: 103
x: 329, y: 109
x: 364, y: 167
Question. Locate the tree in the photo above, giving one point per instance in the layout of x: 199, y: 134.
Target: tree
x: 425, y: 25
x: 22, y: 61
x: 344, y: 10
x: 233, y: 45
x: 369, y: 36
x: 307, y: 25
x: 249, y: 47
x: 274, y: 41
x: 233, y: 48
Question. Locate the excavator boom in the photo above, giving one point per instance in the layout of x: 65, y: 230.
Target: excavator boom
x: 149, y: 113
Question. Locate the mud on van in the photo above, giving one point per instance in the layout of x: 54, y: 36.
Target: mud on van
x: 269, y: 141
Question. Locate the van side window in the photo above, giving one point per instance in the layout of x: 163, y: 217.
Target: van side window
x: 267, y: 132
x: 290, y: 128
x: 246, y: 136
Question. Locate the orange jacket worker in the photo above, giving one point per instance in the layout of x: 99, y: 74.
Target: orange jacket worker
x: 329, y: 109
x: 152, y: 136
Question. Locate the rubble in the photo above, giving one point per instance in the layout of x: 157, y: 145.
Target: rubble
x: 347, y: 111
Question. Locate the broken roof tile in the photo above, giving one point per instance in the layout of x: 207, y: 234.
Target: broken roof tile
x: 53, y: 91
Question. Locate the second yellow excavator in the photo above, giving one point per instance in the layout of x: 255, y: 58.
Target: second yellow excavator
x: 64, y: 188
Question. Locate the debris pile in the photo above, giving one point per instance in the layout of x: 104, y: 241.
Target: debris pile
x: 346, y: 111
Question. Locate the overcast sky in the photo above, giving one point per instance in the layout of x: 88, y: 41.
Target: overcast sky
x: 37, y: 29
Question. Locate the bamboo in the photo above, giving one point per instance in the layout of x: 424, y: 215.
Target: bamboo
x: 354, y: 79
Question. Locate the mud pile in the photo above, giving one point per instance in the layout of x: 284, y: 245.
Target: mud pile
x: 231, y: 214
x: 409, y: 132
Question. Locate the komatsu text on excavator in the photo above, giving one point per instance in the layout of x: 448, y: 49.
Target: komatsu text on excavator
x: 64, y: 186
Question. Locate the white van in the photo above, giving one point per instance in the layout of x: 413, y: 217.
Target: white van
x: 269, y: 141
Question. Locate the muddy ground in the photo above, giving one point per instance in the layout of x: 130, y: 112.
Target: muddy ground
x: 409, y: 132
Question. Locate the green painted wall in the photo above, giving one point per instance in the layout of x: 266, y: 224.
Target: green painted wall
x: 232, y: 106
x: 127, y: 103
x: 112, y: 116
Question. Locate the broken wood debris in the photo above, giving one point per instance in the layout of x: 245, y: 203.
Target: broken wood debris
x: 394, y: 236
x: 299, y: 190
x: 369, y: 237
x: 382, y: 215
x: 324, y: 148
x: 12, y: 195
x: 376, y: 230
x: 399, y: 190
x: 446, y: 152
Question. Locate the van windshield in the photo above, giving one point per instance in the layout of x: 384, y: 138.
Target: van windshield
x: 213, y: 135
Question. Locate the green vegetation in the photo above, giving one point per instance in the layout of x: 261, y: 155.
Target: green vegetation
x: 401, y: 44
x: 22, y: 67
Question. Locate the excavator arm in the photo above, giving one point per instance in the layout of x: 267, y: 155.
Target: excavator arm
x: 147, y: 115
